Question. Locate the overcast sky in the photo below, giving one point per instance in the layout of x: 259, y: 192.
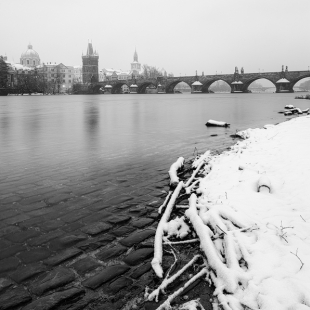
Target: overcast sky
x: 179, y: 35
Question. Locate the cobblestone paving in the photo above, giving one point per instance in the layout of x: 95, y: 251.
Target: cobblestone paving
x: 76, y: 241
x: 78, y: 238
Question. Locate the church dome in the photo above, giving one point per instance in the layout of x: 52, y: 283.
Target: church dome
x: 30, y: 57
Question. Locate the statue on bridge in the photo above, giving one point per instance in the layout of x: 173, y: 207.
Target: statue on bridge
x: 236, y: 70
x: 242, y: 70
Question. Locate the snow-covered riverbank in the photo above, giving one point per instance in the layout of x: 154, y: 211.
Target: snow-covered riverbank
x: 257, y: 242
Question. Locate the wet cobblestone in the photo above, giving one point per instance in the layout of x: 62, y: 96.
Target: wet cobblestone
x: 79, y: 242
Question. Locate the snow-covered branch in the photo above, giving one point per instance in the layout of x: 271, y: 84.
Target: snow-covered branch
x: 174, y: 179
x: 158, y: 251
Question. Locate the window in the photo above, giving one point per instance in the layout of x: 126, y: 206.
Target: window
x: 27, y: 62
x: 69, y: 81
x: 34, y: 62
x: 52, y: 80
x: 63, y: 81
x: 52, y: 69
x: 70, y: 76
x: 69, y: 71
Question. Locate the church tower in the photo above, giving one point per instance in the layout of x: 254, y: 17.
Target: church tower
x: 90, y: 70
x: 135, y: 65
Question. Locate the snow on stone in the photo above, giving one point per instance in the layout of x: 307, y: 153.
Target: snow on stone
x: 283, y: 80
x: 289, y: 106
x: 263, y: 259
x: 212, y: 122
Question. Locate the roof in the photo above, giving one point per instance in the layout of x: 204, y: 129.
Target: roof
x: 197, y: 83
x: 21, y: 67
x: 133, y: 85
x: 283, y: 80
x: 235, y: 82
x: 30, y: 53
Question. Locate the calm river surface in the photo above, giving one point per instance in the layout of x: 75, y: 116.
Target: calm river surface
x: 82, y: 177
x: 111, y: 133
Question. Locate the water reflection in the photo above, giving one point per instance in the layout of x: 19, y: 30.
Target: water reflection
x: 91, y: 114
x: 119, y: 131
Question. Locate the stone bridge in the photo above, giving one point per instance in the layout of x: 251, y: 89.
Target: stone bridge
x: 283, y: 81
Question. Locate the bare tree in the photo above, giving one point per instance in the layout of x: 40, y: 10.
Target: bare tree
x: 150, y: 72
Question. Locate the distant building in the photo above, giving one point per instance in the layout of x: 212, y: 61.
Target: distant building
x: 77, y: 74
x: 59, y: 74
x: 90, y: 70
x: 101, y: 76
x: 135, y: 66
x: 14, y: 69
x: 30, y: 58
x: 114, y: 74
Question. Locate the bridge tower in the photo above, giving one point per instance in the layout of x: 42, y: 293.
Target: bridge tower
x: 90, y: 70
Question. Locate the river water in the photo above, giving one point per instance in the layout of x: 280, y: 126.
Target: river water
x: 112, y: 133
x: 69, y: 163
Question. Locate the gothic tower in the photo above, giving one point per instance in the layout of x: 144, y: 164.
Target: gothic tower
x: 90, y: 65
x: 135, y: 65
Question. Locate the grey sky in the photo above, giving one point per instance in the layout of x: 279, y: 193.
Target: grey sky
x: 180, y: 36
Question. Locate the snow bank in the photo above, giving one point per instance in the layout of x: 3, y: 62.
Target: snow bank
x: 252, y: 219
x: 267, y: 267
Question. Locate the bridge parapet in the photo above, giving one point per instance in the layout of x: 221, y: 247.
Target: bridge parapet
x: 244, y: 80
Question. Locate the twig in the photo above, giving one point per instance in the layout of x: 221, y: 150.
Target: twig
x: 221, y: 229
x: 284, y: 234
x: 166, y: 304
x: 165, y: 202
x: 166, y: 282
x: 181, y: 242
x: 303, y: 218
x: 273, y: 136
x: 195, y: 150
x: 302, y: 264
x: 175, y: 261
x: 285, y: 227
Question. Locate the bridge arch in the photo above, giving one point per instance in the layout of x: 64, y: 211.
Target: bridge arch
x: 170, y: 87
x: 207, y: 85
x: 142, y: 87
x: 294, y: 82
x: 117, y: 87
x: 247, y: 83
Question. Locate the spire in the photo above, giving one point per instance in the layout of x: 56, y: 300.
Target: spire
x: 135, y: 56
x: 29, y: 46
x: 90, y: 49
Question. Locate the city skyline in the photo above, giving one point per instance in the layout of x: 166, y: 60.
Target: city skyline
x: 208, y: 36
